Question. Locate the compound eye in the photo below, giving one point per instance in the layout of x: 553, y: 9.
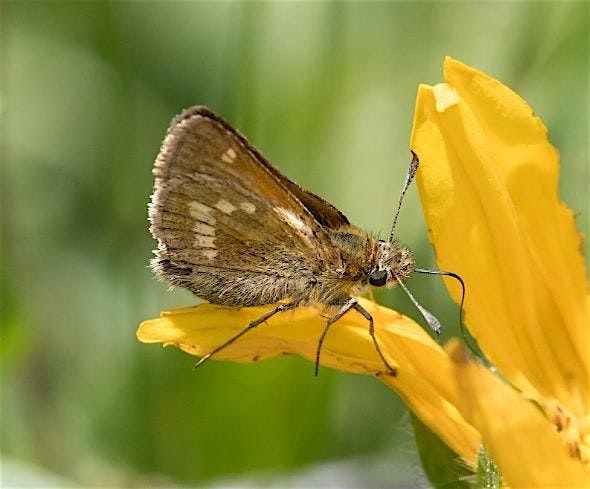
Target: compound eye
x: 378, y: 278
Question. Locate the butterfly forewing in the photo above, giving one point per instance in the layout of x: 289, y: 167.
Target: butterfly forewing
x: 222, y: 217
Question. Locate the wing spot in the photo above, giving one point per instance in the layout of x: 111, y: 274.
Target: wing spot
x: 204, y: 241
x: 229, y: 156
x: 209, y: 253
x: 248, y: 207
x: 201, y: 212
x: 204, y: 229
x: 293, y: 220
x: 225, y: 206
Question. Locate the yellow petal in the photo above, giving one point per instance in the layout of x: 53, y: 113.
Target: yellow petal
x: 488, y: 185
x: 519, y: 437
x: 424, y: 377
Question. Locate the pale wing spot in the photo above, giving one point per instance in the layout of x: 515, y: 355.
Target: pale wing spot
x: 248, y: 207
x: 204, y: 229
x: 211, y: 254
x: 204, y: 241
x: 293, y: 220
x: 201, y: 212
x: 229, y: 156
x: 225, y: 206
x: 197, y: 206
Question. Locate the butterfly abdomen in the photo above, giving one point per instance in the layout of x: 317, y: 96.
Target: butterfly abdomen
x: 239, y: 287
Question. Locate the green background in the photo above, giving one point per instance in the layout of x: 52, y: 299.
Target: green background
x: 326, y: 91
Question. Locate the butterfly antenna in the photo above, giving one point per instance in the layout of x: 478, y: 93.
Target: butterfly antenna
x: 430, y: 318
x: 460, y: 280
x: 409, y: 177
x: 467, y: 338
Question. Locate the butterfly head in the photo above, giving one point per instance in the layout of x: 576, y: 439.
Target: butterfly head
x: 393, y: 262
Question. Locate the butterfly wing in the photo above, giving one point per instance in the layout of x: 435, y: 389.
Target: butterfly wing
x: 228, y: 227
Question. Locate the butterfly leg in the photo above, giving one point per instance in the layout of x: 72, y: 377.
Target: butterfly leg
x: 252, y: 325
x: 352, y: 304
x: 390, y: 370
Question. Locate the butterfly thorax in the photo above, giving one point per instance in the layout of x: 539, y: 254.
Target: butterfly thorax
x: 362, y: 256
x: 357, y: 258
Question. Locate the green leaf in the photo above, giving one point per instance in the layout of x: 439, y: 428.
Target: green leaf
x: 488, y: 473
x: 442, y: 466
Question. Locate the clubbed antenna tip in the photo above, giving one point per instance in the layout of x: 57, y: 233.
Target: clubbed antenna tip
x: 430, y: 318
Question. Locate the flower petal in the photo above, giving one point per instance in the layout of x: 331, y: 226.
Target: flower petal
x: 424, y: 377
x: 519, y: 437
x: 488, y: 184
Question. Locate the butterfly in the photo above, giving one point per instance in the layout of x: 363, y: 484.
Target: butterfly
x: 235, y: 231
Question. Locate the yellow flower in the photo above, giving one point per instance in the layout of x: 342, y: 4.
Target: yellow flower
x: 488, y: 185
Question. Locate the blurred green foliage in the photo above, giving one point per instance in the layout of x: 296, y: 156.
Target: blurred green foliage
x: 442, y: 466
x: 325, y: 90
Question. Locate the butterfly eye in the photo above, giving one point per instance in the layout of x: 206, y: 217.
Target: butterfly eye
x: 378, y: 278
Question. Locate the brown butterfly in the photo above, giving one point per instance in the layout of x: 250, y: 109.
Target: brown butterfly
x: 235, y: 231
